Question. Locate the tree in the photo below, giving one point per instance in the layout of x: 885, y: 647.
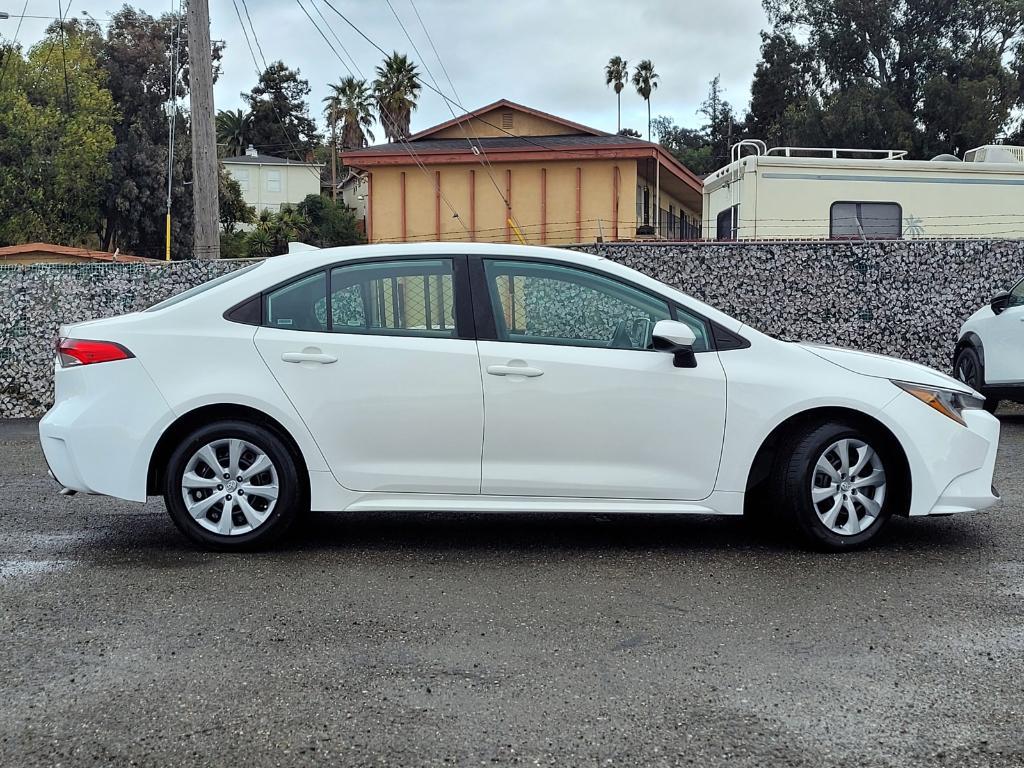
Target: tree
x: 645, y: 80
x: 55, y: 138
x: 395, y: 90
x: 946, y: 74
x: 233, y: 131
x: 280, y: 123
x: 616, y: 73
x: 721, y: 120
x: 330, y: 223
x: 232, y: 206
x: 351, y: 104
x: 134, y: 54
x: 630, y: 132
x: 690, y: 146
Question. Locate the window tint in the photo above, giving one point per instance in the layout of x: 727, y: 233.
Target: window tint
x: 299, y: 306
x: 551, y: 304
x: 1017, y: 294
x: 407, y: 298
x: 865, y: 221
x: 699, y: 327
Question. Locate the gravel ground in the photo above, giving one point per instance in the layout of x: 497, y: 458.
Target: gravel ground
x: 447, y: 639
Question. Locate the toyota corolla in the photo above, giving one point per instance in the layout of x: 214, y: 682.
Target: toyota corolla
x: 496, y: 378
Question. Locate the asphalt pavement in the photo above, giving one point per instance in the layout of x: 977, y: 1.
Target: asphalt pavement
x: 446, y: 639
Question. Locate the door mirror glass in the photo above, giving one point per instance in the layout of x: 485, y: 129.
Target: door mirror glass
x: 1000, y: 301
x: 677, y: 338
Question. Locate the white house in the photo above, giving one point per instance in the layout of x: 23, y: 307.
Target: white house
x: 269, y: 182
x: 797, y: 193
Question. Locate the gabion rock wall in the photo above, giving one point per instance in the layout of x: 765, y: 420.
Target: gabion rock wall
x: 36, y: 300
x: 905, y: 298
x: 901, y: 298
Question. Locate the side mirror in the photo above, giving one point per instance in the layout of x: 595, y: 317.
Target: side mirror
x: 677, y: 338
x: 1000, y: 302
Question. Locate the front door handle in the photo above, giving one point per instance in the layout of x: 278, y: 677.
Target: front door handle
x: 309, y: 357
x: 514, y: 370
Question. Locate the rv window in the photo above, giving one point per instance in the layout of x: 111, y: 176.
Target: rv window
x: 866, y: 221
x: 726, y: 224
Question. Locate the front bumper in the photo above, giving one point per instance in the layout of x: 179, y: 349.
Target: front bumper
x: 951, y: 465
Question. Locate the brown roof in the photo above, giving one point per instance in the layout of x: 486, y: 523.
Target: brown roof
x: 510, y: 105
x: 26, y: 249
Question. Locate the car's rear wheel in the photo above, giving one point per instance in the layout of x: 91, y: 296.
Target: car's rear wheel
x: 836, y: 484
x: 971, y: 371
x: 232, y: 485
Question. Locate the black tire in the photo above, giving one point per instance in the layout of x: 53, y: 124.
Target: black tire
x: 789, y: 486
x: 969, y: 369
x: 287, y: 506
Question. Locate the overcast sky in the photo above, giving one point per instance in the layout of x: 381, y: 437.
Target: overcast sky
x: 548, y: 54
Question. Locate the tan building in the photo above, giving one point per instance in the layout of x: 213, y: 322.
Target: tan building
x: 506, y: 167
x: 268, y: 182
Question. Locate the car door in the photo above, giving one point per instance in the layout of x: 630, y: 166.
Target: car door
x: 380, y: 362
x: 577, y: 403
x: 1003, y: 337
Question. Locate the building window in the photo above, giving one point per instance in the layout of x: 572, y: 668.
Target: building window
x: 727, y: 223
x: 273, y: 181
x: 242, y: 177
x: 865, y: 221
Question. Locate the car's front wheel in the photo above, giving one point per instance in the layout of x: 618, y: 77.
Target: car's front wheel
x: 835, y: 484
x: 232, y: 485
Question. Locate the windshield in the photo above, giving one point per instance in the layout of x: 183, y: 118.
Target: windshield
x: 201, y: 288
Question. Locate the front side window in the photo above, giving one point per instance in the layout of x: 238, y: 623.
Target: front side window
x: 1017, y: 294
x: 553, y: 304
x: 273, y: 181
x: 398, y: 298
x: 866, y: 221
x: 242, y: 177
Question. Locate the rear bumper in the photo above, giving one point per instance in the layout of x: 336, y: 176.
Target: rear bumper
x: 951, y: 465
x: 99, y: 435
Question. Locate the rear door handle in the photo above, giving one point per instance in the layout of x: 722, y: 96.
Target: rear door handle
x: 514, y: 370
x: 308, y: 357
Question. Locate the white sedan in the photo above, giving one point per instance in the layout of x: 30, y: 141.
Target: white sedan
x: 496, y: 378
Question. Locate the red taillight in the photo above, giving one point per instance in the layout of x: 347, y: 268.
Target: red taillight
x: 86, y: 352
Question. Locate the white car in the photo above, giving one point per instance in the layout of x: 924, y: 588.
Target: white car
x: 495, y: 378
x: 989, y: 354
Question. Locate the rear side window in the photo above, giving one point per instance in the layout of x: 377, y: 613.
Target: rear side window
x: 396, y: 298
x: 866, y: 221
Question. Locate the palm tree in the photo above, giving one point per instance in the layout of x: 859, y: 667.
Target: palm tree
x: 645, y: 80
x: 234, y: 131
x: 617, y: 73
x: 351, y: 104
x: 395, y: 90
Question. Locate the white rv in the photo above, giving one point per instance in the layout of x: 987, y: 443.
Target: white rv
x: 795, y: 193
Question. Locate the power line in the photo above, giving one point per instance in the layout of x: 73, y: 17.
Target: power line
x: 14, y: 45
x: 394, y: 124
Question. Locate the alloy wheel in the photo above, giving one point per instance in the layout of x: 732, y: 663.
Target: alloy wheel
x: 230, y: 486
x: 848, y: 487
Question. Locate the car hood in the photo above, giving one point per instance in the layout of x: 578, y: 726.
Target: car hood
x: 884, y: 367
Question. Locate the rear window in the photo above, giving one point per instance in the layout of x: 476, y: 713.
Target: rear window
x: 201, y: 288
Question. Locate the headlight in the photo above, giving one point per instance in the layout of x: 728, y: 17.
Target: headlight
x: 948, y: 402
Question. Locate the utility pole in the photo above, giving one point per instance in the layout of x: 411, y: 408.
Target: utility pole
x: 334, y: 155
x: 206, y: 214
